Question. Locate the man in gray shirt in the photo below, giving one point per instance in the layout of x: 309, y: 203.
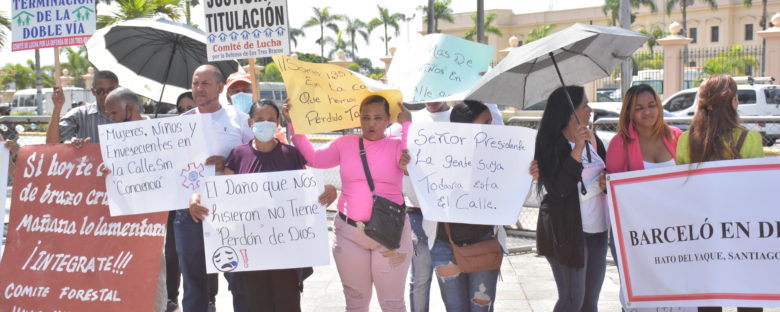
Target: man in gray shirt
x: 81, y: 123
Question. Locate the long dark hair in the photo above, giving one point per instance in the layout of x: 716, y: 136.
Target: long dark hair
x: 551, y: 145
x: 711, y: 128
x: 467, y: 111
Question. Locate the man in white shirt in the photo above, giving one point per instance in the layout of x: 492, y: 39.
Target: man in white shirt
x: 228, y: 129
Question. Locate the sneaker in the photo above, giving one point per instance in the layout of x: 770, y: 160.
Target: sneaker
x: 172, y: 306
x: 212, y: 307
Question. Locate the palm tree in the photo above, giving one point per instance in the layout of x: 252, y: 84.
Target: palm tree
x: 684, y: 8
x: 130, y: 9
x: 323, y: 18
x: 441, y: 11
x: 187, y: 5
x: 294, y: 34
x: 539, y: 32
x: 338, y: 44
x: 4, y: 22
x: 77, y: 63
x: 611, y: 8
x: 762, y: 21
x: 492, y: 29
x: 654, y: 33
x: 386, y: 19
x: 353, y: 28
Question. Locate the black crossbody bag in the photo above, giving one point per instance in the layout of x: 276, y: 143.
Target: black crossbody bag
x: 387, y: 217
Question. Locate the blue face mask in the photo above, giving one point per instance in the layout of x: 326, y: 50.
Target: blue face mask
x: 242, y: 101
x: 264, y: 130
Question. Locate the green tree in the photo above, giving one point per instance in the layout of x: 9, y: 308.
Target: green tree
x: 539, y: 32
x: 130, y: 9
x: 386, y: 19
x: 441, y: 11
x: 338, y: 44
x: 490, y: 29
x: 22, y: 76
x: 77, y: 64
x: 271, y: 73
x: 5, y: 22
x: 654, y: 33
x: 294, y: 34
x: 611, y: 9
x: 684, y: 9
x: 355, y: 28
x: 310, y: 57
x: 648, y: 60
x: 733, y: 62
x: 762, y: 21
x: 323, y: 18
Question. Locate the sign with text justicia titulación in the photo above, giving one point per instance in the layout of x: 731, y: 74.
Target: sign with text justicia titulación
x: 246, y: 29
x: 698, y: 235
x: 51, y: 23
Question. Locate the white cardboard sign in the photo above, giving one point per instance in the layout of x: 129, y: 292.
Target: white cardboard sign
x: 698, y: 235
x: 469, y: 173
x: 155, y: 164
x: 264, y: 221
x: 246, y: 29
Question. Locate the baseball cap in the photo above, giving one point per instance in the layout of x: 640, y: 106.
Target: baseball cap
x: 237, y: 77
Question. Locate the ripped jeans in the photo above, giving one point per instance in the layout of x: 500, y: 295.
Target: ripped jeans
x: 474, y: 291
x: 362, y: 263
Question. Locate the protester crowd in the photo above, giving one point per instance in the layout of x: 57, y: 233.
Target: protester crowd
x: 376, y: 251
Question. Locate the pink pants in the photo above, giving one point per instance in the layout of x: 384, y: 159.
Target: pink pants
x: 362, y: 262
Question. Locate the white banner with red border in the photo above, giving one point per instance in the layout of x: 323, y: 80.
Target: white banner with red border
x: 699, y: 235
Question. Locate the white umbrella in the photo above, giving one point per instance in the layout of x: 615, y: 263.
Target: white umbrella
x: 583, y: 53
x: 153, y: 58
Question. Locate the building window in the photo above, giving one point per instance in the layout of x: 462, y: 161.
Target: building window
x: 714, y: 34
x: 748, y: 32
x: 692, y: 33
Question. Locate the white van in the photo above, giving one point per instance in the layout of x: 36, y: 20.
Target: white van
x: 24, y: 100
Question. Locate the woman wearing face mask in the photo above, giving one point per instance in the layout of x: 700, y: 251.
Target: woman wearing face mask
x: 268, y: 290
x: 362, y: 262
x: 716, y: 134
x: 572, y: 226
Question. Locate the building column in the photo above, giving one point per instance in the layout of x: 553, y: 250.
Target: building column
x: 673, y: 67
x: 772, y: 37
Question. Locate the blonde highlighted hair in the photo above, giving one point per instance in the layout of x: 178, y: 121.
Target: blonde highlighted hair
x: 660, y: 128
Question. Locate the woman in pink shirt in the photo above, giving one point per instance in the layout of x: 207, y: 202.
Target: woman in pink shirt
x: 643, y: 140
x: 361, y: 261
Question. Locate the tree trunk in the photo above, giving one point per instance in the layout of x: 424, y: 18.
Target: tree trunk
x: 187, y: 12
x: 322, y: 42
x: 684, y: 5
x: 386, y: 40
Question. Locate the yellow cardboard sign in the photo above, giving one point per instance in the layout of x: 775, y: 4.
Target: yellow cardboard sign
x: 326, y: 97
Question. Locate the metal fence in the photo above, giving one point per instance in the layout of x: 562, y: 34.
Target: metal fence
x: 736, y: 60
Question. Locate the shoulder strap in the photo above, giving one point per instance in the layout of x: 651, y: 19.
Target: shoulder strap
x: 365, y: 166
x: 740, y: 142
x: 449, y: 232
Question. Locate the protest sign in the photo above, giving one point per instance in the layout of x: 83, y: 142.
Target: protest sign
x: 155, y: 164
x: 246, y: 29
x: 46, y: 24
x: 264, y: 221
x: 64, y: 252
x: 5, y: 162
x: 326, y: 97
x: 438, y: 66
x: 470, y: 173
x: 699, y: 235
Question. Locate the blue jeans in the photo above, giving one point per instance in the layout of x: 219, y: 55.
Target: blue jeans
x: 199, y: 288
x: 578, y: 289
x: 422, y: 267
x: 474, y: 291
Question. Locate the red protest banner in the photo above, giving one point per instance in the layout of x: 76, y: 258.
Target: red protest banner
x: 64, y: 252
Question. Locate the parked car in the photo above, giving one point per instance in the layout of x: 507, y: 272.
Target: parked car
x: 754, y: 100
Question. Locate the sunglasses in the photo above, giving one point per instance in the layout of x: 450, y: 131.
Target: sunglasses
x: 103, y: 91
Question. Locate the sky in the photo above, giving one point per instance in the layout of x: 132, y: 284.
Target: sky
x: 301, y: 10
